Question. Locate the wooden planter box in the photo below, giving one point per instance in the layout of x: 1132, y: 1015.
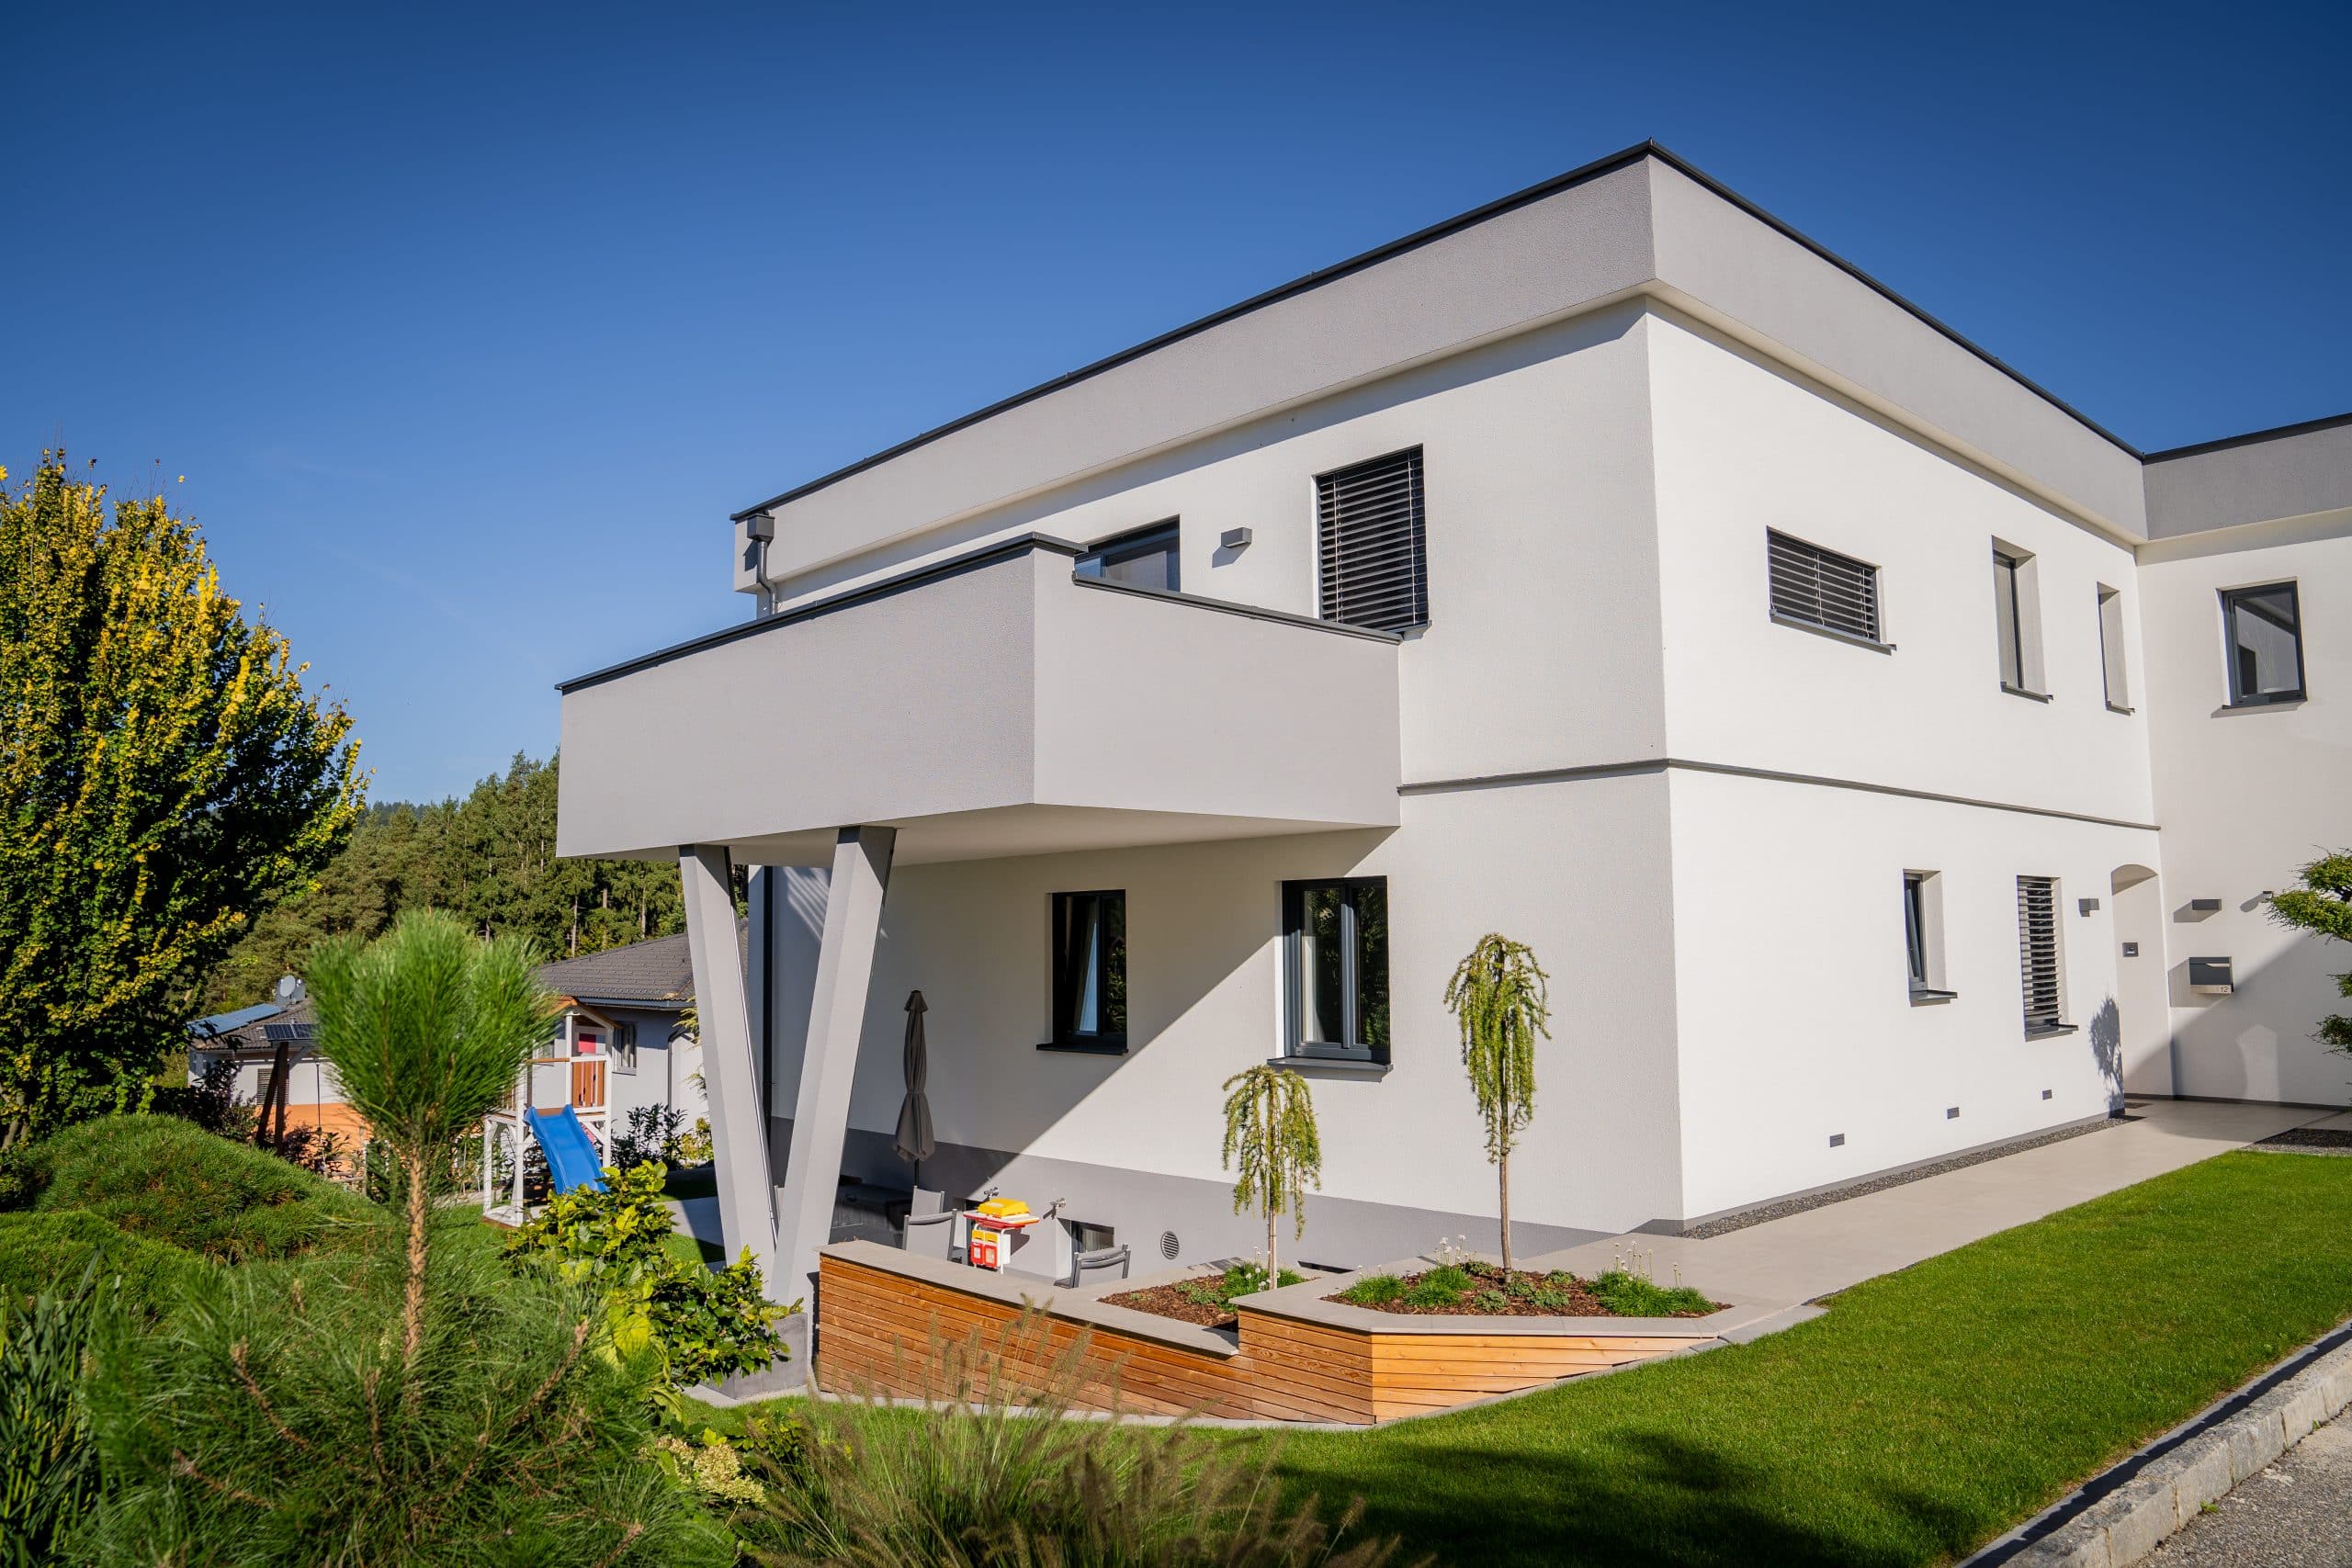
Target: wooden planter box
x: 1294, y: 1356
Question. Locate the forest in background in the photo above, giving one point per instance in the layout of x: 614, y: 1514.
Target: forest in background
x: 489, y: 859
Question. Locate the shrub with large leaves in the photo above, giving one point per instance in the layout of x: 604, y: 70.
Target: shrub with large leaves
x: 706, y: 1324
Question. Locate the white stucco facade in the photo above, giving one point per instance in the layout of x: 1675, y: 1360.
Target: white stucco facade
x: 1602, y: 743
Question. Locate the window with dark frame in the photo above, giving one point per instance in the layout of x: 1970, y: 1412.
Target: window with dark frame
x: 1915, y: 927
x: 1371, y: 553
x: 1145, y: 559
x: 2265, y: 627
x: 1815, y: 587
x: 625, y: 1047
x: 1336, y: 968
x: 1089, y: 938
x: 2008, y: 619
x: 2038, y: 955
x: 2110, y: 649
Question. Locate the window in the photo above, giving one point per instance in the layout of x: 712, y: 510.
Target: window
x: 1369, y: 530
x: 2266, y: 645
x: 1821, y: 589
x: 2111, y: 649
x: 1090, y: 971
x: 1145, y: 559
x: 2038, y: 955
x: 1336, y: 968
x: 1923, y: 935
x: 2016, y: 620
x: 624, y: 1048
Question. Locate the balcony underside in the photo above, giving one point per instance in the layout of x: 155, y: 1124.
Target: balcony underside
x: 992, y: 706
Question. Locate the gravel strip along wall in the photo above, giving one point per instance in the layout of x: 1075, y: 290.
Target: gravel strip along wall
x: 2128, y: 1523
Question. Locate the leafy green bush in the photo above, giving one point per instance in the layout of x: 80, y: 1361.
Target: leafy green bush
x: 987, y: 1482
x: 169, y: 1180
x: 706, y: 1324
x: 1631, y: 1296
x: 49, y: 1469
x: 1239, y: 1279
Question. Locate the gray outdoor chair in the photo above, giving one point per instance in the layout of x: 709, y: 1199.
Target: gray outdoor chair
x: 1104, y: 1257
x: 932, y: 1225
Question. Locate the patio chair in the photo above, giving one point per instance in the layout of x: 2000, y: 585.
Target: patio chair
x: 932, y: 1225
x: 1104, y: 1257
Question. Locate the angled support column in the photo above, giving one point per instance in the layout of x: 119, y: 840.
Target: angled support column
x: 829, y: 1063
x: 730, y: 1072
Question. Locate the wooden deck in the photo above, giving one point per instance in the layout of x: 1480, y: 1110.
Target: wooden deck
x: 879, y: 1322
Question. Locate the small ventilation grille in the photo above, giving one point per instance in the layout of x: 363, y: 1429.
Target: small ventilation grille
x: 1836, y: 1140
x: 1952, y: 1112
x: 1168, y: 1246
x: 1822, y: 588
x: 1370, y: 531
x: 2045, y: 1094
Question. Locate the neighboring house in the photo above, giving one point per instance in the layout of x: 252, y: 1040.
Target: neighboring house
x: 624, y: 1004
x: 1884, y: 759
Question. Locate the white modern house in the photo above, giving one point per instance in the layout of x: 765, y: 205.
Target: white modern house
x: 1884, y: 760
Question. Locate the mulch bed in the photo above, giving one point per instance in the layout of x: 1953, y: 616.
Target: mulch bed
x: 1165, y: 1301
x: 2311, y: 1138
x: 1570, y: 1298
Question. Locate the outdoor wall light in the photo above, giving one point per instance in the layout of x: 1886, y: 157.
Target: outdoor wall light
x: 2086, y: 906
x: 2206, y: 906
x: 1236, y: 539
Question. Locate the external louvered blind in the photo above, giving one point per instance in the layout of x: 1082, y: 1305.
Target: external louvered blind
x: 1369, y: 527
x: 1822, y: 588
x: 2038, y: 951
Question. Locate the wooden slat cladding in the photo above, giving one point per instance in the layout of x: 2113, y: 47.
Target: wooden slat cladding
x: 884, y: 1331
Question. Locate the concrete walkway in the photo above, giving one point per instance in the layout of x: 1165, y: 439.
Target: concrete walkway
x: 1805, y: 1257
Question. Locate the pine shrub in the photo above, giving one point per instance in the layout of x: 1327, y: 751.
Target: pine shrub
x: 48, y: 1470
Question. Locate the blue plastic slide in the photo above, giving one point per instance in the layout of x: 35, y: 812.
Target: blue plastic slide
x: 571, y: 1158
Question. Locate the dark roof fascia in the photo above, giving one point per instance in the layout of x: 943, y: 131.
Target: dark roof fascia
x: 2275, y: 432
x: 1534, y: 193
x: 1551, y: 187
x: 641, y: 1004
x: 954, y: 566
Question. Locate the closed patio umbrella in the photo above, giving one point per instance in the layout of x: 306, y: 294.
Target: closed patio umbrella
x: 914, y: 1141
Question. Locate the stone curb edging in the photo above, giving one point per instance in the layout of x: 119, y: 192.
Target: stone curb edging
x: 2132, y: 1521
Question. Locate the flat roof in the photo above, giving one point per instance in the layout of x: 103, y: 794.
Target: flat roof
x: 1613, y: 162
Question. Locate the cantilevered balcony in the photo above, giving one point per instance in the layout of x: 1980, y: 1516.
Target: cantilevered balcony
x: 989, y: 704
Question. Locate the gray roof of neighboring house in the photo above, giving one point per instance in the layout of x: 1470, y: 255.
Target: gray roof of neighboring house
x: 658, y: 975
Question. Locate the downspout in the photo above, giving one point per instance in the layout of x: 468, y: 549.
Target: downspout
x: 760, y: 529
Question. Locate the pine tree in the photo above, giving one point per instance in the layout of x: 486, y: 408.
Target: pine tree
x: 2324, y: 904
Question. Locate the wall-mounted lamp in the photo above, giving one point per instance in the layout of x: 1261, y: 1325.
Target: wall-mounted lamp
x: 2087, y: 905
x: 2206, y: 906
x: 1236, y: 539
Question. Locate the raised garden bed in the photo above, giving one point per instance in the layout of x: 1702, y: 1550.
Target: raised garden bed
x: 1207, y: 1301
x: 1475, y: 1289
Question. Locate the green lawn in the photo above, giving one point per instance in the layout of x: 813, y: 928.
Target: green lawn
x: 1927, y: 1412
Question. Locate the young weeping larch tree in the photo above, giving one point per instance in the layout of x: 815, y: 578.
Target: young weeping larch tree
x: 1499, y: 996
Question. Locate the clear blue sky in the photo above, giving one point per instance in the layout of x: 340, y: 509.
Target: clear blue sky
x: 470, y: 325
